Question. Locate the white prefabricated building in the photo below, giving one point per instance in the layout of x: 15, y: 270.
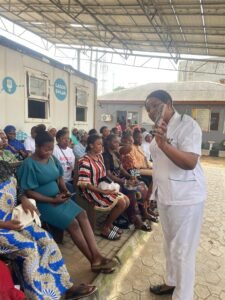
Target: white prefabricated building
x: 36, y: 89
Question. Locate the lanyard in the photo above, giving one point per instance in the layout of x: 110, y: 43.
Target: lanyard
x: 67, y: 161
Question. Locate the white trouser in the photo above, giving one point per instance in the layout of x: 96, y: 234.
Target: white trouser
x: 181, y: 227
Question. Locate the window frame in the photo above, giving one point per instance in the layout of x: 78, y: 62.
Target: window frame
x: 38, y: 98
x: 218, y: 121
x: 77, y: 105
x: 194, y: 114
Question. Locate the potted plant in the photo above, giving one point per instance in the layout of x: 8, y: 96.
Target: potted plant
x: 205, y: 148
x: 222, y: 149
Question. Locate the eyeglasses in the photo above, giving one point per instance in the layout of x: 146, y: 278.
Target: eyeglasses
x: 152, y: 106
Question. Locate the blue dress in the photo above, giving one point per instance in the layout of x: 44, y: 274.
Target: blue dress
x: 43, y: 270
x: 42, y: 178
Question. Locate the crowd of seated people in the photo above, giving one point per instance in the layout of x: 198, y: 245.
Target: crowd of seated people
x: 44, y: 166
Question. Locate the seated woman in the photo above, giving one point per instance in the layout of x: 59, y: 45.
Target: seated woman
x: 91, y: 173
x: 6, y: 155
x: 41, y: 178
x: 132, y: 160
x: 42, y: 268
x: 15, y: 146
x: 79, y: 150
x: 66, y: 157
x: 130, y: 186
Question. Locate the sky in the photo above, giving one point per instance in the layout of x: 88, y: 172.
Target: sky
x: 110, y: 76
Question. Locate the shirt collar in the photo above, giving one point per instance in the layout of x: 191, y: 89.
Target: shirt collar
x: 174, y: 118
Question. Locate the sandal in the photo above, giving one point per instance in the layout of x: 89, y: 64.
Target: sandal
x: 107, y: 266
x: 152, y: 218
x: 112, y: 236
x: 145, y: 227
x: 162, y: 289
x: 117, y: 229
x: 82, y: 291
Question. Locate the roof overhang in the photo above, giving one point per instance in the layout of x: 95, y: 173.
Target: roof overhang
x: 176, y: 27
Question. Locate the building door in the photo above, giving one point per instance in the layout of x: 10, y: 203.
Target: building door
x: 121, y: 117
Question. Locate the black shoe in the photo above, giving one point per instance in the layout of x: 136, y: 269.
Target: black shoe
x: 161, y: 290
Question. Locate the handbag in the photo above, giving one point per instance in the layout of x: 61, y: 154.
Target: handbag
x: 105, y: 183
x: 109, y: 186
x: 24, y: 218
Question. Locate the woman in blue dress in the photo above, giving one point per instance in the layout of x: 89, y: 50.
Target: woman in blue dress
x: 14, y: 145
x: 44, y: 273
x: 41, y: 178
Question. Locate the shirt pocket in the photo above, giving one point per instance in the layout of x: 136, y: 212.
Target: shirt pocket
x: 183, y: 187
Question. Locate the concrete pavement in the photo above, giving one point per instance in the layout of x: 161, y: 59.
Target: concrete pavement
x: 143, y: 259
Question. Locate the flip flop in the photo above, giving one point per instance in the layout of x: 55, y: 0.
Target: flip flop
x: 82, y: 291
x: 145, y: 227
x: 117, y: 229
x: 107, y: 266
x: 152, y: 218
x: 162, y: 290
x: 112, y: 236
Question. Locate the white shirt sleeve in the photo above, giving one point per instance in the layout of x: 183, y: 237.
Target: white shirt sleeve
x: 29, y: 144
x: 190, y: 137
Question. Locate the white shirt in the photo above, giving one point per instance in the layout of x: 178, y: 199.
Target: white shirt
x: 146, y: 149
x: 67, y: 160
x: 171, y: 184
x: 29, y: 144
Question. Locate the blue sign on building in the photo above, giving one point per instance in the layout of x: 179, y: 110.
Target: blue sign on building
x: 60, y: 89
x: 9, y: 85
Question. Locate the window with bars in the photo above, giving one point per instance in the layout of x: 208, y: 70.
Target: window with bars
x: 38, y: 104
x: 81, y: 104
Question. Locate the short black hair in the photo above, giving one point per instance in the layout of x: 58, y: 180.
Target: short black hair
x: 43, y: 138
x: 136, y: 133
x: 102, y: 129
x: 114, y: 130
x: 91, y: 140
x: 40, y: 128
x: 108, y: 140
x: 60, y: 133
x: 161, y: 95
x: 92, y: 131
x: 126, y: 135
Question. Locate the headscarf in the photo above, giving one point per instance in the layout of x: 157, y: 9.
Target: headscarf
x: 9, y: 128
x: 144, y: 134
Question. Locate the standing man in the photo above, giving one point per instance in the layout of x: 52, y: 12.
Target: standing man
x: 180, y: 190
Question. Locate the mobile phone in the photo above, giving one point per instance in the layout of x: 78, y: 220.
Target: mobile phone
x: 72, y: 194
x: 69, y: 195
x: 160, y: 115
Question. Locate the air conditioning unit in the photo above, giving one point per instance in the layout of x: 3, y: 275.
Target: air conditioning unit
x: 106, y: 117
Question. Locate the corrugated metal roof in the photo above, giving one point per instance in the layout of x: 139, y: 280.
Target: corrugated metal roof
x: 175, y: 26
x: 201, y: 91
